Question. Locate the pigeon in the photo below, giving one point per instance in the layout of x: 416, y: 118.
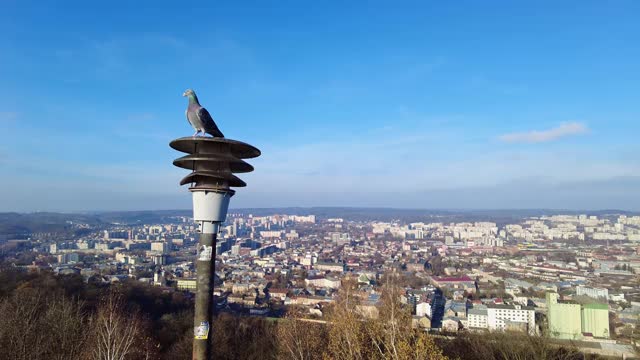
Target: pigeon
x: 199, y: 117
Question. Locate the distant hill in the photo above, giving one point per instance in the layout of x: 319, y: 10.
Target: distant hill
x: 19, y: 224
x: 142, y: 217
x: 430, y: 215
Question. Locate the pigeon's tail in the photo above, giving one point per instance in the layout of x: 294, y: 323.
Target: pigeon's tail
x: 212, y: 129
x: 215, y: 132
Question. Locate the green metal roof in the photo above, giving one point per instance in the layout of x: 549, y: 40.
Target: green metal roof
x: 596, y: 306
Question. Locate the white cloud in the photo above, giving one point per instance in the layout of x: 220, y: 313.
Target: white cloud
x: 538, y: 136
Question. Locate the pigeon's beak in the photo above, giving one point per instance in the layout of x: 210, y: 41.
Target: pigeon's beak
x: 184, y: 93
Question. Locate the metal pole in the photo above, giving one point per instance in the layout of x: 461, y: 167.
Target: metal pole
x: 203, y: 318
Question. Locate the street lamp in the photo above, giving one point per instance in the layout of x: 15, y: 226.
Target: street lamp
x: 213, y: 162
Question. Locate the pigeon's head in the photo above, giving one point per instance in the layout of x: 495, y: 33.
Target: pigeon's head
x: 189, y: 92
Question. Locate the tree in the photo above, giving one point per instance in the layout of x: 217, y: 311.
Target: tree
x: 299, y: 339
x: 508, y: 346
x: 387, y: 333
x: 392, y: 335
x: 65, y: 319
x: 20, y: 337
x: 346, y: 336
x: 181, y: 349
x: 242, y: 338
x: 35, y: 326
x: 118, y: 335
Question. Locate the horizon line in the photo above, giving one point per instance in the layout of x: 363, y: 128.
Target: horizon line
x: 231, y: 210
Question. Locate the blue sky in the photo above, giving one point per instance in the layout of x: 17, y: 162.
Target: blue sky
x: 396, y: 104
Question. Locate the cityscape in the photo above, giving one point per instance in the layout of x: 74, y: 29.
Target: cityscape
x: 568, y: 277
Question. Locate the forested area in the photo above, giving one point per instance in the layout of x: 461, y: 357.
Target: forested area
x: 61, y: 317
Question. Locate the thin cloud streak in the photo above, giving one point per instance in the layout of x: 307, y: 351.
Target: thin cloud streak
x: 8, y: 116
x: 540, y: 136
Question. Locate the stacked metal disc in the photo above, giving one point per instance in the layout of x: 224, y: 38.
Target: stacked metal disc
x: 213, y: 162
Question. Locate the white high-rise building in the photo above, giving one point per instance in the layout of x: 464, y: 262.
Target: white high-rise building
x: 511, y: 317
x: 477, y: 317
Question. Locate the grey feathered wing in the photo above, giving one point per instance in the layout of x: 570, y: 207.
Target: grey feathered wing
x: 209, y: 125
